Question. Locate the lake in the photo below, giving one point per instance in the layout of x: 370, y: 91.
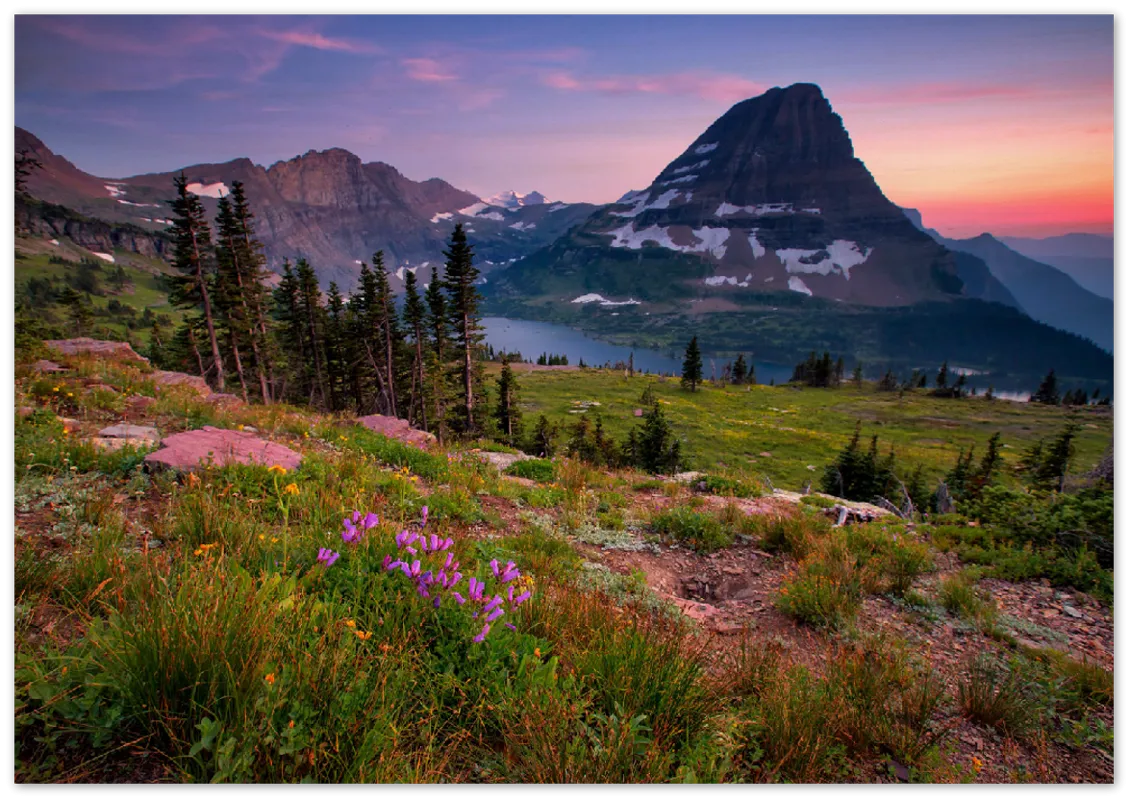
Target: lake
x: 531, y: 339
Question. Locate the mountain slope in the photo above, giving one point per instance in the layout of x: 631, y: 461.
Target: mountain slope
x: 1086, y: 257
x: 770, y: 197
x: 326, y: 206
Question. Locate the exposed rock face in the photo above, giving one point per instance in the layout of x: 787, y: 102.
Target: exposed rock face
x: 770, y: 197
x: 219, y: 447
x: 116, y: 437
x: 43, y: 365
x: 399, y: 429
x: 117, y: 351
x: 166, y: 378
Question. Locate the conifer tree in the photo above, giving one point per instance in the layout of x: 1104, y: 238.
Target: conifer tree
x: 692, y: 365
x: 439, y: 351
x: 1047, y: 393
x: 313, y: 318
x: 738, y: 373
x: 337, y: 342
x: 857, y: 375
x: 292, y: 333
x: 507, y: 414
x: 463, y: 313
x: 385, y: 333
x: 545, y: 437
x: 195, y: 263
x: 943, y: 378
x: 414, y: 320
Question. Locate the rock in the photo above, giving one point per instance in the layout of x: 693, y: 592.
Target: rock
x: 25, y: 411
x: 224, y: 399
x: 396, y: 428
x: 134, y: 432
x: 727, y: 628
x: 501, y: 461
x: 687, y: 477
x: 165, y: 378
x: 120, y: 351
x: 101, y: 387
x: 1072, y: 611
x: 69, y: 425
x: 217, y: 446
x: 140, y: 402
x: 109, y: 443
x: 43, y: 365
x: 765, y: 454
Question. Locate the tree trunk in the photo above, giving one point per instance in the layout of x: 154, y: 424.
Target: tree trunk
x: 239, y: 368
x: 468, y: 395
x: 195, y: 350
x: 201, y: 284
x: 420, y: 376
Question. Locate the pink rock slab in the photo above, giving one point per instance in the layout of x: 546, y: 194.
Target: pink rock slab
x: 219, y: 447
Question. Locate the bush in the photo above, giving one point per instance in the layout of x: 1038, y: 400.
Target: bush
x: 700, y: 530
x: 535, y: 469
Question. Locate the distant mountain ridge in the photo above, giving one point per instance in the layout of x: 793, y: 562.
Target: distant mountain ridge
x: 326, y: 206
x: 1086, y: 257
x: 1044, y: 293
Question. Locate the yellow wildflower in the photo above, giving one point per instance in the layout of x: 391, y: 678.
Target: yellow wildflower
x: 281, y: 470
x: 414, y: 479
x: 350, y: 623
x: 270, y: 678
x: 70, y: 394
x: 305, y: 434
x: 239, y: 427
x: 291, y: 488
x: 274, y: 539
x: 977, y: 764
x: 262, y: 538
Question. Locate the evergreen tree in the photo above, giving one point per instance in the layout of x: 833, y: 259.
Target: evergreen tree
x: 653, y: 447
x: 1047, y: 393
x: 507, y: 414
x: 857, y: 375
x: 195, y: 264
x: 692, y: 365
x: 78, y: 310
x: 337, y: 337
x: 943, y: 378
x: 1046, y: 463
x: 545, y: 437
x: 438, y: 352
x: 414, y: 321
x: 739, y: 372
x: 463, y: 312
x: 988, y: 468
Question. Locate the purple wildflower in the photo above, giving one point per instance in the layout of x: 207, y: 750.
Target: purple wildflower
x: 387, y: 563
x: 460, y: 599
x: 435, y: 603
x: 423, y: 516
x: 510, y: 626
x: 498, y: 612
x: 370, y: 520
x: 523, y: 597
x: 494, y: 566
x: 482, y: 634
x: 497, y: 601
x: 327, y: 556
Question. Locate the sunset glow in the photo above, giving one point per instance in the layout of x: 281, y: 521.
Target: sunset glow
x: 1001, y: 124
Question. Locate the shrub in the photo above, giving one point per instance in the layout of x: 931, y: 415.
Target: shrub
x: 959, y: 595
x: 535, y: 469
x: 700, y: 530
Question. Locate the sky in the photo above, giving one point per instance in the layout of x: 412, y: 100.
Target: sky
x: 1002, y: 124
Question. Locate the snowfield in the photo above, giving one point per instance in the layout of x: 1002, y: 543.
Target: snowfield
x: 726, y: 209
x: 797, y: 285
x: 719, y: 280
x: 712, y: 240
x: 103, y: 256
x: 441, y: 216
x: 216, y: 190
x: 840, y: 255
x: 641, y: 204
x: 705, y: 148
x: 596, y: 298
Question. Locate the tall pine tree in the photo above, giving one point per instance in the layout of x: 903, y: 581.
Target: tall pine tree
x: 463, y: 313
x: 692, y: 365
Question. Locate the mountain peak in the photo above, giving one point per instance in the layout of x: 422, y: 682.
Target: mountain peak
x: 511, y: 199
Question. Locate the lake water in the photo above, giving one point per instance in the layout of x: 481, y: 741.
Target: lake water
x: 531, y: 339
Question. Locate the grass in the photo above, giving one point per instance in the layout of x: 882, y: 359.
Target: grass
x: 190, y: 618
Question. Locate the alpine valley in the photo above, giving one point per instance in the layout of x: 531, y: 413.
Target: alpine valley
x: 765, y: 235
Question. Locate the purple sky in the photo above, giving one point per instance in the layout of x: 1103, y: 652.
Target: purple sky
x: 983, y: 123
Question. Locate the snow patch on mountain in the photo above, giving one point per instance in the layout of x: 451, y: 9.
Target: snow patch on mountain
x: 641, y: 204
x: 719, y: 280
x: 712, y: 240
x: 757, y: 247
x: 481, y: 211
x: 115, y: 189
x: 797, y: 285
x: 104, y: 256
x: 762, y: 209
x: 596, y: 298
x: 840, y: 255
x: 684, y: 179
x: 511, y: 199
x: 442, y: 216
x: 705, y: 148
x: 557, y: 207
x: 689, y: 167
x: 523, y: 226
x: 400, y: 271
x: 216, y: 190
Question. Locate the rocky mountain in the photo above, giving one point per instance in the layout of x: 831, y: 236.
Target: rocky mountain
x: 769, y: 198
x: 326, y: 206
x: 1086, y: 257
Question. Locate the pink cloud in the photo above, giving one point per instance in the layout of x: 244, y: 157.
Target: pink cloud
x: 707, y: 85
x: 428, y: 70
x: 320, y: 42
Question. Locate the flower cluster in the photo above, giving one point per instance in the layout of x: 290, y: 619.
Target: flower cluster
x: 435, y: 579
x: 354, y: 529
x: 327, y: 556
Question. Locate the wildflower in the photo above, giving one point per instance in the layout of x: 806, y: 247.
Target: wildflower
x: 364, y: 635
x: 56, y: 388
x: 482, y: 634
x: 274, y: 540
x: 350, y: 623
x: 291, y: 725
x: 278, y: 468
x: 977, y: 764
x: 291, y: 488
x: 327, y: 556
x: 270, y: 678
x: 262, y: 538
x: 537, y: 652
x: 510, y: 626
x: 305, y: 434
x: 239, y: 427
x: 70, y: 394
x: 423, y: 516
x: 414, y: 479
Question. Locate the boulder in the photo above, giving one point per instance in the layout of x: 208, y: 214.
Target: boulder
x: 140, y: 402
x: 500, y: 461
x: 118, y: 351
x: 219, y: 447
x: 165, y: 378
x: 396, y: 428
x: 43, y: 365
x: 142, y: 433
x: 224, y: 399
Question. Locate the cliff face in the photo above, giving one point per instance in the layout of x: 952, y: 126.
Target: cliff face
x: 54, y: 221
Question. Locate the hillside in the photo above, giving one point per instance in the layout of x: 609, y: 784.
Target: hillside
x: 659, y: 629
